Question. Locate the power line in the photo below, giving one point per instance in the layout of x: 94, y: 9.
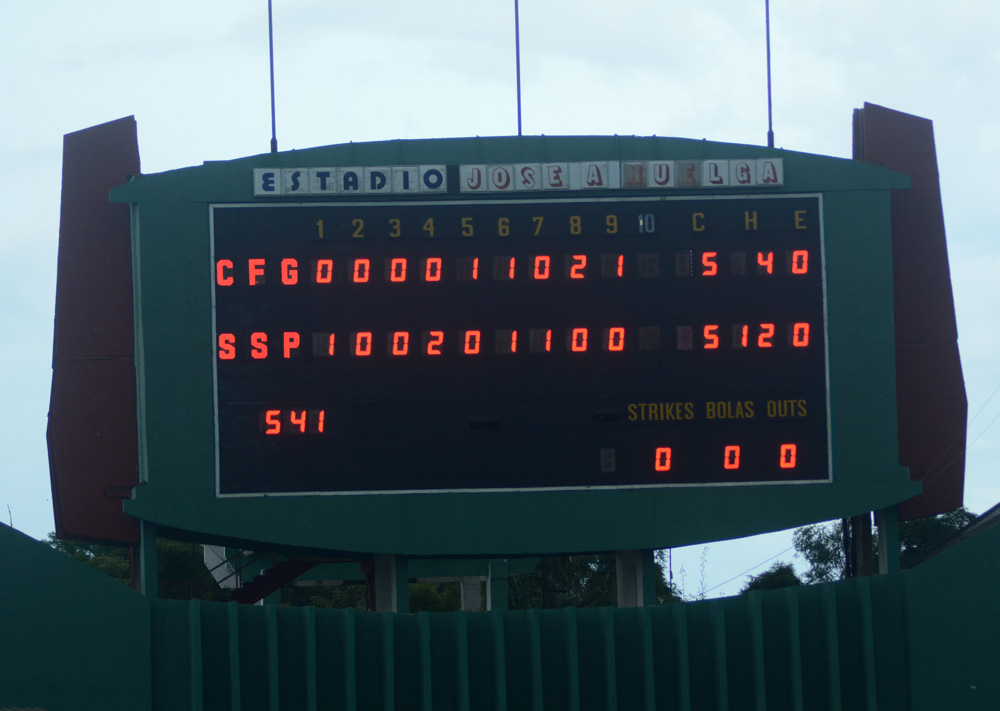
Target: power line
x: 726, y: 582
x: 931, y: 474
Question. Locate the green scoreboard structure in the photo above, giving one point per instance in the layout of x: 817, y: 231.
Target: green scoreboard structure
x: 513, y: 346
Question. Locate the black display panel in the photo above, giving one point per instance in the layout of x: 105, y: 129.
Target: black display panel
x: 519, y: 344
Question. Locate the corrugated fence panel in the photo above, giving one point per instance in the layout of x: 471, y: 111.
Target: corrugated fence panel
x: 826, y: 647
x: 633, y: 635
x: 487, y: 662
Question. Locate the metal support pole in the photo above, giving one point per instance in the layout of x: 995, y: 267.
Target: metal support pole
x: 392, y: 583
x: 497, y: 586
x: 887, y: 521
x: 767, y: 33
x: 270, y: 43
x: 863, y: 545
x: 149, y: 579
x: 472, y: 597
x: 517, y: 53
x: 636, y: 575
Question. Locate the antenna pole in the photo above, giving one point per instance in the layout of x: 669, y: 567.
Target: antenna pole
x: 767, y: 33
x: 270, y: 41
x: 517, y: 54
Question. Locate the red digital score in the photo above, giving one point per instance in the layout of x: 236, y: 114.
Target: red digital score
x: 505, y: 344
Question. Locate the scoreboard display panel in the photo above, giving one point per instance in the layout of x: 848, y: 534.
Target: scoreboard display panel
x: 513, y: 345
x: 519, y: 344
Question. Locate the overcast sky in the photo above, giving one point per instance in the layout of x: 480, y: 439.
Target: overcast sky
x: 195, y: 76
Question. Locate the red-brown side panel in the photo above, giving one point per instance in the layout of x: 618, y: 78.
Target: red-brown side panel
x: 92, y: 438
x: 931, y: 403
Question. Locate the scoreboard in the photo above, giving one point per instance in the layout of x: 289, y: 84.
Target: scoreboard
x: 519, y: 344
x: 512, y: 346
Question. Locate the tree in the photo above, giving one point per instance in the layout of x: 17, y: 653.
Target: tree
x: 338, y: 597
x: 560, y: 581
x: 921, y: 535
x: 779, y: 575
x: 110, y: 560
x: 822, y: 545
x: 577, y: 581
x: 181, y: 566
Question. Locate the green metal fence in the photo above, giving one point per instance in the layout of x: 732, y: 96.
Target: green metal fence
x: 918, y: 640
x: 830, y: 646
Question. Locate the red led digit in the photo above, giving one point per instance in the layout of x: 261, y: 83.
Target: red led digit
x: 800, y: 335
x: 510, y: 269
x: 329, y: 345
x: 616, y: 338
x: 298, y: 420
x: 475, y: 268
x: 765, y: 264
x: 789, y: 453
x: 766, y: 334
x: 741, y: 333
x: 291, y: 342
x: 578, y: 340
x: 661, y: 463
x: 800, y: 261
x: 397, y: 270
x: 221, y: 278
x: 321, y: 421
x: 324, y: 271
x: 258, y: 345
x: 227, y: 346
x: 290, y: 271
x: 363, y: 343
x: 731, y: 459
x: 400, y: 343
x: 579, y: 263
x: 711, y: 267
x: 621, y: 264
x: 539, y: 340
x: 256, y: 275
x: 472, y: 341
x: 542, y: 264
x: 711, y: 334
x: 362, y: 270
x: 434, y: 341
x: 513, y: 341
x: 272, y: 418
x: 432, y: 269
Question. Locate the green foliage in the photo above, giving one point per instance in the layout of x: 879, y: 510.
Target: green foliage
x: 823, y: 548
x: 822, y: 545
x: 183, y: 575
x: 576, y: 581
x: 919, y: 536
x: 181, y: 567
x: 562, y: 581
x: 424, y: 597
x: 779, y: 575
x: 110, y: 560
x: 337, y: 597
x: 435, y: 597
